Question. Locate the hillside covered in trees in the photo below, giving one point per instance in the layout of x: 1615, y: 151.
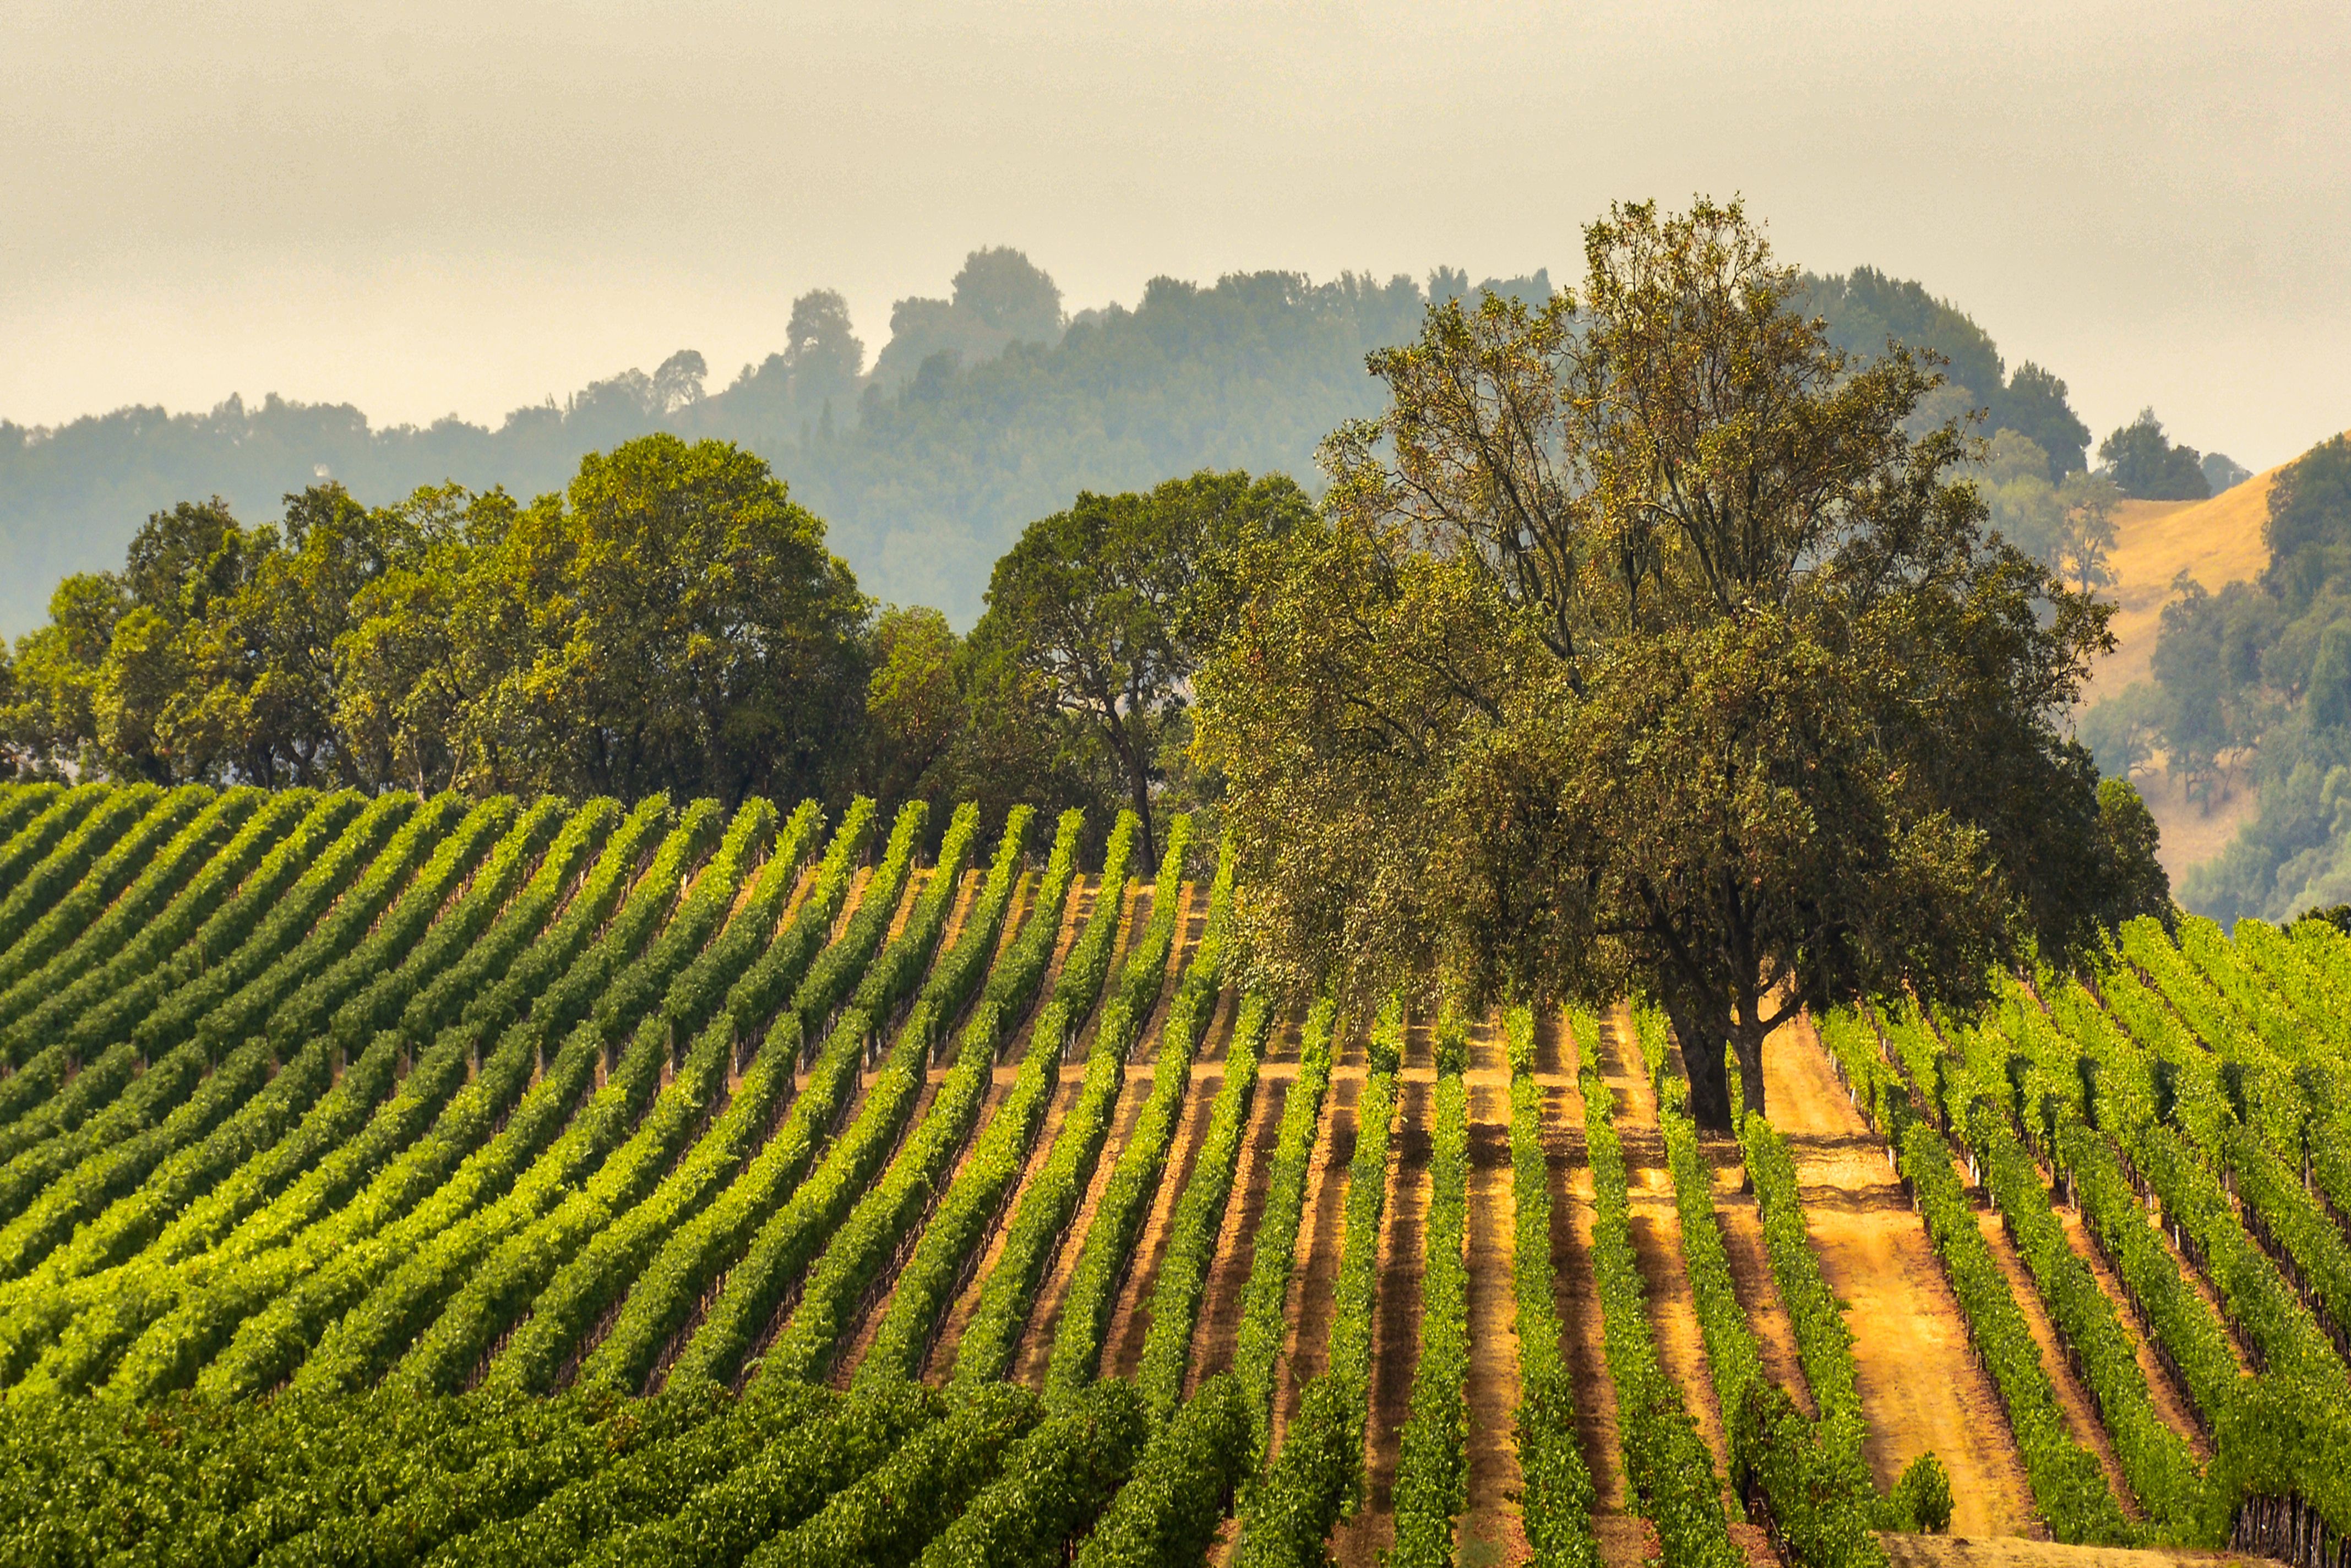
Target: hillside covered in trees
x: 984, y: 409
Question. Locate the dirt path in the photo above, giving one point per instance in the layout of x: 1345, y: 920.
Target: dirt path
x: 1964, y: 1551
x: 1221, y: 1305
x: 1396, y: 1319
x: 1741, y: 1223
x: 1130, y: 1321
x: 1920, y: 1387
x: 1492, y: 1531
x: 2081, y: 1413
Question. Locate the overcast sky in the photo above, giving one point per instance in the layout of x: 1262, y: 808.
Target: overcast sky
x: 435, y: 207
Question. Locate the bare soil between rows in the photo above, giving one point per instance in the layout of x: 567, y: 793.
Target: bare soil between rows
x: 1921, y: 1387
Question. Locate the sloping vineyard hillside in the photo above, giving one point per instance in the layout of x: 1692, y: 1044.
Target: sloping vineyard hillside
x: 398, y: 1180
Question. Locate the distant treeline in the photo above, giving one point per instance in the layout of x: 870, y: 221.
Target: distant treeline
x: 984, y: 409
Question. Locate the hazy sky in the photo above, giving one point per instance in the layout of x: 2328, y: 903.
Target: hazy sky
x: 432, y: 208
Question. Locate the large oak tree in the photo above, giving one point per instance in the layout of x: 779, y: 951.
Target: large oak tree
x: 1641, y: 648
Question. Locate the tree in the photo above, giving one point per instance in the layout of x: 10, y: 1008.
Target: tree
x: 2146, y: 466
x: 916, y: 714
x: 2308, y: 529
x: 2223, y: 472
x: 2023, y: 504
x: 1642, y: 649
x: 689, y: 631
x: 1009, y: 292
x: 824, y: 357
x: 1102, y: 613
x: 2122, y: 730
x: 2189, y: 667
x: 2037, y: 406
x: 2086, y: 537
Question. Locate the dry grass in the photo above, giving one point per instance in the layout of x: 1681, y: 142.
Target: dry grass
x: 2216, y: 541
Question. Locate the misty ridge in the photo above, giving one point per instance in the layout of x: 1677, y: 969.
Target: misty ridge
x: 984, y: 409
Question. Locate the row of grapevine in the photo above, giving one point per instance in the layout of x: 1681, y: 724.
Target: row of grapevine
x: 1666, y: 1466
x: 363, y: 940
x: 2187, y: 1336
x: 73, y: 886
x: 662, y: 1305
x: 602, y: 1271
x: 30, y: 855
x: 21, y: 805
x: 1042, y: 1216
x: 673, y: 1283
x: 861, y: 1259
x: 1824, y: 1339
x: 199, y: 871
x: 434, y: 1302
x: 90, y: 1023
x: 1198, y: 1219
x: 1557, y: 1498
x: 1315, y: 1477
x: 2278, y: 1123
x: 538, y: 1255
x: 431, y: 942
x: 1812, y: 1493
x: 821, y: 1453
x: 1273, y: 1258
x: 239, y: 1106
x: 337, y: 896
x: 1125, y: 1204
x: 1054, y: 1485
x: 866, y: 1238
x: 948, y: 1245
x: 888, y: 1516
x: 300, y: 1266
x: 368, y: 1119
x: 763, y: 1281
x: 2276, y: 1435
x: 94, y: 921
x: 115, y: 1171
x: 2156, y: 1462
x: 1432, y: 1477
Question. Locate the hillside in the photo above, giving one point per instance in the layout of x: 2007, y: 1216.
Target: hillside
x: 2215, y: 541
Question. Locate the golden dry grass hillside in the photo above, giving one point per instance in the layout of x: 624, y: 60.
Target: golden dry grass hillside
x: 2216, y: 541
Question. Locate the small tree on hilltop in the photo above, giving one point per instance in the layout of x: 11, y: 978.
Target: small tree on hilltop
x: 1639, y: 649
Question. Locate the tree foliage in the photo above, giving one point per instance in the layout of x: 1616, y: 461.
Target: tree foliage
x: 2148, y: 467
x: 671, y: 622
x: 1645, y: 648
x: 1101, y: 614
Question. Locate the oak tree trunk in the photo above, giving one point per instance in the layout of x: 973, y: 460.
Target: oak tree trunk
x: 1702, y: 1040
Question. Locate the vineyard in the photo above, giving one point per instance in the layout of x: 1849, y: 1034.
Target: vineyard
x: 400, y: 1180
